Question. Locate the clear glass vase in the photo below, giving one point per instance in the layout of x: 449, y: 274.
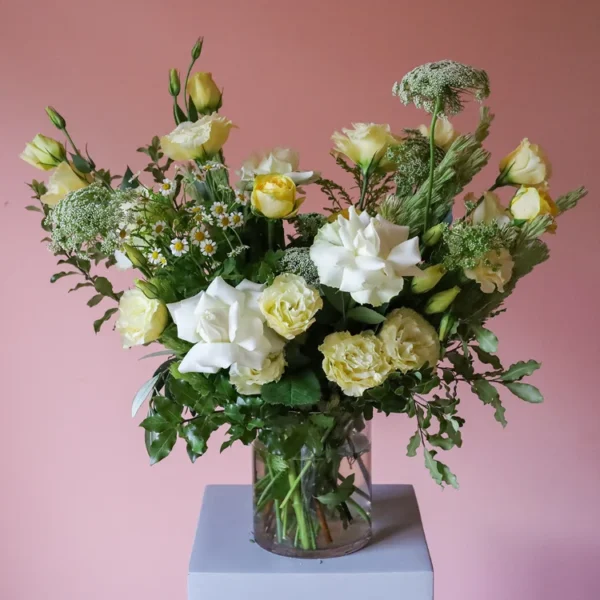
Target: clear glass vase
x: 314, y: 504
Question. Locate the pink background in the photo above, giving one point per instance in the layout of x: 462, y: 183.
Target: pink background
x: 83, y: 516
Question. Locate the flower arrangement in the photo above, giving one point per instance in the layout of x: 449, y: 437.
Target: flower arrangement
x: 293, y: 328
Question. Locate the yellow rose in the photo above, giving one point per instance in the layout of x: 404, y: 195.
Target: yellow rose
x: 201, y: 139
x: 355, y: 362
x: 289, y: 305
x: 141, y: 319
x: 409, y: 340
x: 249, y: 381
x: 527, y: 165
x: 274, y: 196
x: 62, y: 181
x: 43, y: 153
x: 366, y: 144
x: 444, y: 134
x: 529, y: 202
x: 204, y: 92
x: 493, y: 271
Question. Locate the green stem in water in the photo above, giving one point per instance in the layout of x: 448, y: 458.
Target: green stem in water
x: 359, y: 509
x: 434, y: 118
x: 278, y: 520
x: 295, y: 480
x: 302, y: 530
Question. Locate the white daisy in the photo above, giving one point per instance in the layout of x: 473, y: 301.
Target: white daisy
x: 158, y: 227
x: 198, y: 235
x: 218, y: 209
x: 224, y: 221
x: 163, y: 261
x: 208, y: 247
x: 179, y: 246
x: 155, y: 257
x: 167, y: 187
x: 123, y: 232
x: 212, y: 165
x: 242, y: 198
x: 237, y: 219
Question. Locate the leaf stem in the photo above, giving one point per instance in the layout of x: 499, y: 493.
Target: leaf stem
x: 434, y: 118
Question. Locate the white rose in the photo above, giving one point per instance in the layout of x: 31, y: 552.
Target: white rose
x: 201, y: 139
x: 226, y: 326
x: 289, y: 305
x: 409, y: 340
x: 493, y: 271
x: 490, y: 209
x: 365, y: 256
x: 444, y: 134
x: 249, y: 381
x: 141, y: 320
x: 282, y: 161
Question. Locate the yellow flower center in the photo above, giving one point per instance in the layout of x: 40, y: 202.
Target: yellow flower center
x: 199, y: 236
x: 155, y: 255
x: 219, y: 210
x: 178, y: 246
x: 166, y: 186
x: 225, y: 221
x: 158, y: 229
x: 209, y: 248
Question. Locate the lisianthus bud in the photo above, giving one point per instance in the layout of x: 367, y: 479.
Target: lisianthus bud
x: 44, y: 153
x: 149, y: 290
x: 135, y: 256
x: 433, y: 235
x: 428, y: 280
x: 441, y: 301
x: 446, y: 325
x: 204, y: 92
x: 174, y: 83
x: 56, y: 118
x: 197, y: 49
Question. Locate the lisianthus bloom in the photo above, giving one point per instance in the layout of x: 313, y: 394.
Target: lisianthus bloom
x: 526, y: 165
x: 141, y: 320
x: 365, y: 256
x: 490, y: 209
x: 275, y: 196
x: 409, y: 340
x: 62, y: 181
x: 204, y: 92
x: 289, y: 305
x: 283, y: 161
x: 355, y: 362
x: 444, y: 133
x: 226, y: 326
x: 249, y: 381
x: 366, y: 144
x: 529, y: 202
x: 492, y: 271
x: 201, y: 139
x: 43, y: 153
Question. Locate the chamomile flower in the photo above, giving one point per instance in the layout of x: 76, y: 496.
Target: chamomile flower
x: 123, y: 232
x: 212, y: 165
x: 242, y: 198
x: 198, y: 176
x: 224, y: 221
x: 158, y: 227
x: 155, y: 257
x: 163, y: 261
x: 198, y: 235
x: 179, y: 246
x: 208, y: 247
x: 237, y: 219
x: 218, y: 209
x: 167, y: 187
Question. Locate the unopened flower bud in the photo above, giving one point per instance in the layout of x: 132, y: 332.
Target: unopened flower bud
x: 135, y: 256
x: 57, y: 120
x: 446, y: 326
x: 147, y: 288
x: 174, y: 83
x: 428, y: 280
x: 197, y: 49
x: 441, y: 301
x: 433, y: 235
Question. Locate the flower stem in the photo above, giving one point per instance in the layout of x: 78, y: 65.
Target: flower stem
x: 363, y: 191
x: 302, y: 530
x: 323, y: 521
x: 434, y: 118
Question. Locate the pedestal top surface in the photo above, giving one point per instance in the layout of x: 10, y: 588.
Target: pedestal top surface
x: 224, y: 540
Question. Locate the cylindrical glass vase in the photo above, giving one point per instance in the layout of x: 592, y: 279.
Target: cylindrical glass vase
x: 314, y: 505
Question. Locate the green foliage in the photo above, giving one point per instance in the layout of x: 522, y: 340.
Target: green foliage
x: 301, y: 388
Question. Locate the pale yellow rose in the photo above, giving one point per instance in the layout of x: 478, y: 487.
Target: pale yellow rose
x: 409, y: 340
x: 43, y: 153
x: 490, y: 210
x: 444, y: 133
x: 355, y: 362
x: 201, y: 139
x: 493, y: 271
x: 62, y: 181
x: 366, y: 144
x: 529, y: 202
x: 527, y: 165
x: 289, y: 305
x: 275, y: 197
x: 248, y: 381
x: 204, y: 92
x: 141, y: 320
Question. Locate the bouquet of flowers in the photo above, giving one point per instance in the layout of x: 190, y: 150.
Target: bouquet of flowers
x: 292, y: 328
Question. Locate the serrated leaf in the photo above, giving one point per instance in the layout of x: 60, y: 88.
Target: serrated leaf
x: 487, y: 358
x: 486, y: 339
x: 340, y: 495
x: 295, y: 389
x: 413, y: 444
x: 192, y: 433
x: 105, y: 317
x: 362, y: 314
x: 485, y: 390
x: 499, y: 412
x: 142, y: 394
x: 526, y: 392
x: 519, y: 370
x: 432, y: 466
x: 439, y: 441
x: 155, y: 424
x: 448, y: 476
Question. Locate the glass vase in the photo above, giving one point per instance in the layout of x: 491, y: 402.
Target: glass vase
x: 314, y: 504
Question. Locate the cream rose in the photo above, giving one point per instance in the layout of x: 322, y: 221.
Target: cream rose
x: 490, y: 209
x: 201, y: 139
x: 409, y: 341
x: 527, y: 165
x: 529, y: 202
x: 204, y: 92
x: 141, y: 320
x: 248, y: 381
x: 355, y: 362
x: 289, y: 305
x: 275, y: 196
x: 62, y: 181
x: 366, y: 144
x: 493, y: 271
x: 444, y: 133
x: 43, y: 153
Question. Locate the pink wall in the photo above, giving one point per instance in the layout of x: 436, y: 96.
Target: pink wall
x: 83, y: 516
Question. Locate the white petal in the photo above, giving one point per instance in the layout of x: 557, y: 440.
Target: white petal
x: 183, y: 315
x: 390, y: 234
x: 405, y: 255
x: 219, y: 288
x: 208, y: 358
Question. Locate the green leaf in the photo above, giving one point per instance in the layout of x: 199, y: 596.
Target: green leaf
x: 301, y: 388
x: 323, y: 421
x: 142, y: 394
x: 448, y: 476
x: 80, y: 285
x: 156, y: 424
x: 167, y: 409
x: 162, y: 445
x: 485, y: 390
x: 413, y: 444
x: 526, y: 392
x: 194, y: 436
x: 520, y: 370
x: 105, y: 317
x: 487, y: 358
x: 82, y: 165
x: 103, y: 286
x: 60, y: 275
x: 33, y: 208
x: 362, y: 314
x: 486, y: 339
x: 95, y: 300
x: 439, y: 441
x: 499, y: 412
x: 181, y: 392
x: 339, y: 300
x: 340, y: 495
x: 126, y: 183
x: 432, y: 466
x: 193, y: 113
